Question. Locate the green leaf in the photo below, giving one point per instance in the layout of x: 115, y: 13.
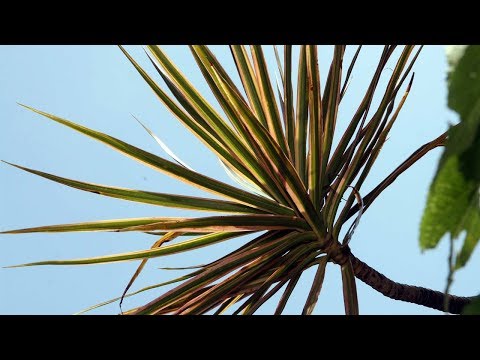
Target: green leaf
x: 151, y: 287
x: 473, y: 308
x: 247, y: 75
x: 316, y: 287
x: 172, y: 169
x: 192, y: 120
x: 301, y: 120
x: 166, y: 238
x: 236, y: 144
x: 289, y: 106
x: 316, y: 126
x: 220, y: 269
x: 453, y: 203
x: 267, y: 97
x: 349, y: 289
x: 102, y: 225
x: 148, y: 197
x: 472, y: 223
x: 284, y: 169
x: 449, y: 198
x: 227, y: 223
x: 143, y: 254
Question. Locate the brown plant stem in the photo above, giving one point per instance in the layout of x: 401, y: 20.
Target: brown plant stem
x: 412, y: 294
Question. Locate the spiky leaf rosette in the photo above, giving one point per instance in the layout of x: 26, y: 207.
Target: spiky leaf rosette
x: 276, y: 141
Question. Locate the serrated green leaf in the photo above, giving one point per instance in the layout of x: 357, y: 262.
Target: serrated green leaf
x: 453, y: 203
x: 448, y: 200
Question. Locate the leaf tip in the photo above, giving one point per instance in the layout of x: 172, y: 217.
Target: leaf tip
x: 411, y: 82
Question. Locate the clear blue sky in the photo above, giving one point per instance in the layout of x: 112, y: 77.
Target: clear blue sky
x: 96, y: 86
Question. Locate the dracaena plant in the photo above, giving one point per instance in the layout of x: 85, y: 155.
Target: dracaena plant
x: 296, y: 190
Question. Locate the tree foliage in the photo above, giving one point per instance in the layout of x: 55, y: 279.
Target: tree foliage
x: 453, y: 204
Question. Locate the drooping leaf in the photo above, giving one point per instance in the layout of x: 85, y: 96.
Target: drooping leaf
x: 316, y: 287
x: 453, y: 203
x: 166, y: 238
x: 349, y: 289
x: 221, y: 269
x: 450, y: 199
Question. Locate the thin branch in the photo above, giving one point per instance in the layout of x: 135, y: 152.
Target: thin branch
x: 417, y: 155
x: 451, y: 270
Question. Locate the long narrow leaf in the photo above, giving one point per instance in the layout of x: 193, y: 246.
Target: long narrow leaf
x: 349, y: 289
x: 237, y: 144
x: 268, y: 98
x: 287, y: 293
x: 301, y: 120
x: 349, y: 72
x: 166, y: 238
x: 151, y: 287
x: 227, y: 224
x: 316, y: 126
x: 247, y: 75
x: 371, y: 159
x: 143, y: 254
x: 148, y: 197
x: 197, y: 124
x: 279, y: 64
x: 316, y: 287
x: 331, y: 112
x: 102, y: 225
x: 284, y: 169
x: 221, y: 269
x: 209, y: 66
x: 289, y: 109
x: 172, y: 169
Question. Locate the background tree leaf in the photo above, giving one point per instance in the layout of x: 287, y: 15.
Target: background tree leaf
x: 453, y: 200
x: 473, y: 308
